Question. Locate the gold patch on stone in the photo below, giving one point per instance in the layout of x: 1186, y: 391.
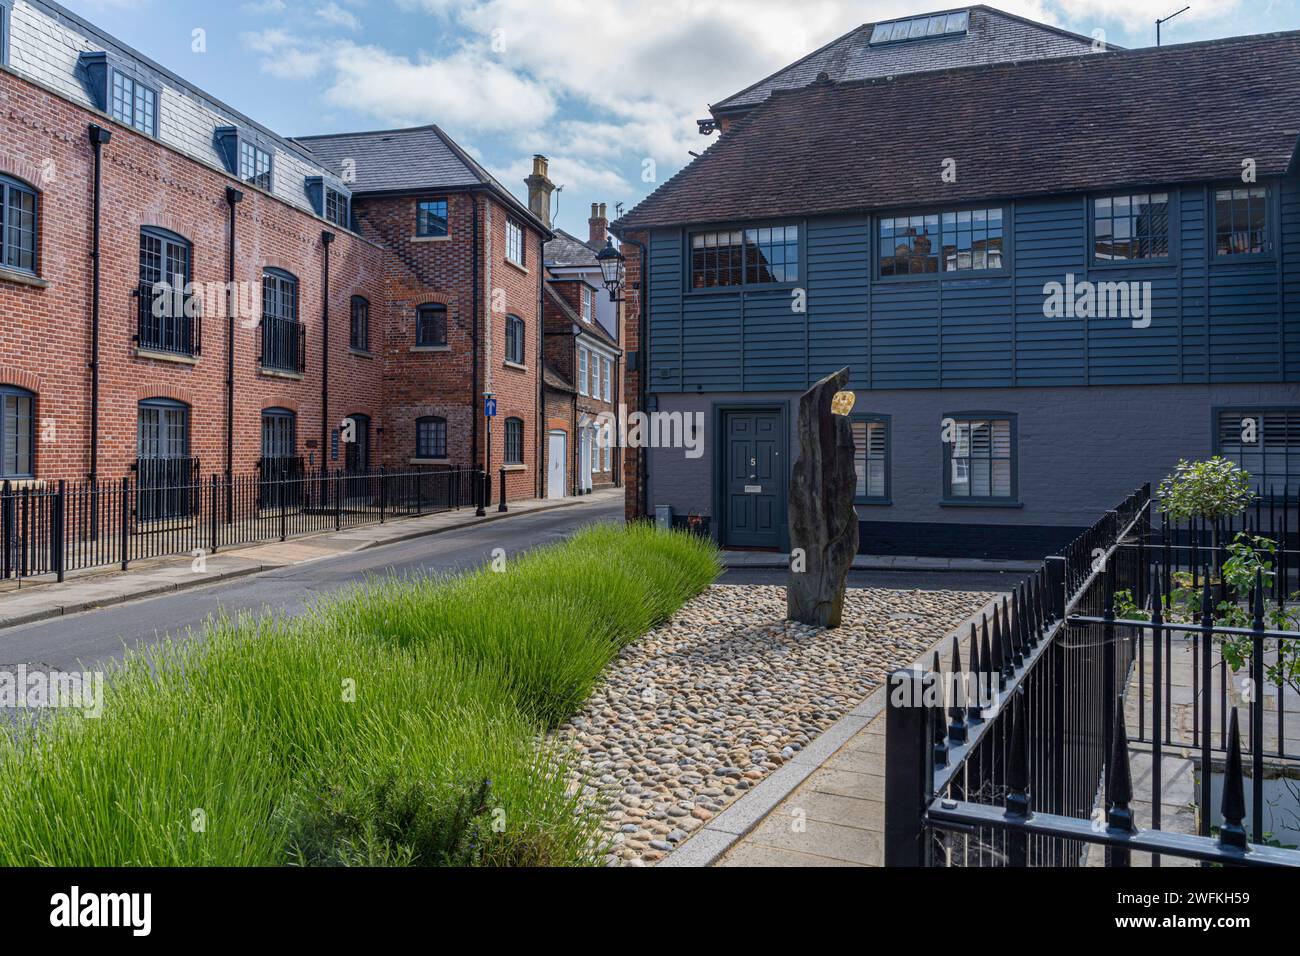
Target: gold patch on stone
x: 843, y: 403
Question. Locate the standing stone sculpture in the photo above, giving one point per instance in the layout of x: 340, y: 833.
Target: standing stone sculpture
x: 823, y: 521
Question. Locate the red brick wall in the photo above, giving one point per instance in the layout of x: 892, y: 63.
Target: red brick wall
x: 632, y: 380
x: 514, y: 291
x: 45, y: 335
x: 418, y: 271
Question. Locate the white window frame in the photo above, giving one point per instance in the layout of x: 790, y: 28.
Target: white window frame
x: 515, y: 249
x: 582, y: 370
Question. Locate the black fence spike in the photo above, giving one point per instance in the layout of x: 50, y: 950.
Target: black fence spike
x: 1233, y: 808
x: 1012, y: 656
x: 994, y: 658
x: 1018, y: 636
x: 986, y: 651
x: 1119, y: 791
x: 975, y: 689
x: 1022, y: 613
x: 957, y: 731
x: 1036, y: 594
x: 938, y: 725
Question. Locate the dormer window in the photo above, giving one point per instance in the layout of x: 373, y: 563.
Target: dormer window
x: 254, y: 165
x: 134, y: 104
x: 331, y: 201
x: 336, y: 207
x: 246, y: 156
x: 123, y: 92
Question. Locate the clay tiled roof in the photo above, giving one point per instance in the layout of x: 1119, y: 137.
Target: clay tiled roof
x: 1189, y: 113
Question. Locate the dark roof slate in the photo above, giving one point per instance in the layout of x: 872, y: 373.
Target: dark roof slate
x: 993, y: 36
x: 1149, y: 117
x: 418, y: 159
x: 554, y: 380
x: 569, y: 250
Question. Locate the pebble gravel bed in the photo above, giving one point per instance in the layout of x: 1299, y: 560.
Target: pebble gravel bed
x: 703, y: 707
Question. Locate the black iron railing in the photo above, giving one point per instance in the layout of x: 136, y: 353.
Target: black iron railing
x: 166, y: 508
x: 284, y: 345
x: 166, y: 488
x: 1019, y: 752
x: 168, y: 320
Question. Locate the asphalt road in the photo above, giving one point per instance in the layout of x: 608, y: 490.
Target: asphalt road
x: 94, y: 636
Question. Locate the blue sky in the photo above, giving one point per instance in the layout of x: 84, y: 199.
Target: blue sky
x: 609, y: 90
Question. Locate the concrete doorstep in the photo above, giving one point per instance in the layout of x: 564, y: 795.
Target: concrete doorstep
x: 99, y: 587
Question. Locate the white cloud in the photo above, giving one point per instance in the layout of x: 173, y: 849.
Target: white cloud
x: 1141, y: 15
x: 264, y: 7
x: 286, y: 55
x: 335, y: 15
x: 462, y: 90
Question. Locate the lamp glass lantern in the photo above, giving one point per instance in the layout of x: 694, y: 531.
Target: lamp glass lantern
x: 612, y: 268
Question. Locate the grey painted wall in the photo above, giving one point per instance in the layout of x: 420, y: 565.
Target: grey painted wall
x: 1080, y: 450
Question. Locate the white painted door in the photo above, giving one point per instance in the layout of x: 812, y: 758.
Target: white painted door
x: 556, y: 458
x: 584, y: 460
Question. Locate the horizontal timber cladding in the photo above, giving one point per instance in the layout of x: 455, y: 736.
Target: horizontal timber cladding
x: 1072, y: 448
x: 1290, y: 280
x: 1210, y: 319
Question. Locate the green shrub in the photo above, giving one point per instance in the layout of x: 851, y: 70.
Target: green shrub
x: 241, y: 746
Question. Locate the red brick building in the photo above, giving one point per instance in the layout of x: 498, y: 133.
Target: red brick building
x: 583, y: 387
x: 340, y: 302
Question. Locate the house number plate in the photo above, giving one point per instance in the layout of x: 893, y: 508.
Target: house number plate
x: 753, y: 489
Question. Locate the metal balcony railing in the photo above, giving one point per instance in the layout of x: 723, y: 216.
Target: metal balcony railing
x: 168, y: 320
x: 284, y: 345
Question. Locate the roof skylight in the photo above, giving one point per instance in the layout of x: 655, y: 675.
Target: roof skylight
x: 920, y: 28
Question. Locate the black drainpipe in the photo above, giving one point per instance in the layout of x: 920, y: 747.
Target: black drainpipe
x: 618, y: 400
x: 326, y: 237
x: 473, y: 394
x: 233, y: 198
x: 539, y: 454
x: 643, y: 369
x: 98, y: 137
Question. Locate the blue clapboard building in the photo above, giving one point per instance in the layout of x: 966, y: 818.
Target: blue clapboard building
x: 1053, y: 267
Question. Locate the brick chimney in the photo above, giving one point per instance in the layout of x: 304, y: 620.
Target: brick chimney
x: 599, y: 225
x: 540, y: 188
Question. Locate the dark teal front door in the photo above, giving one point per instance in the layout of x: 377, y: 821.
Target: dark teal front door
x: 753, y: 490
